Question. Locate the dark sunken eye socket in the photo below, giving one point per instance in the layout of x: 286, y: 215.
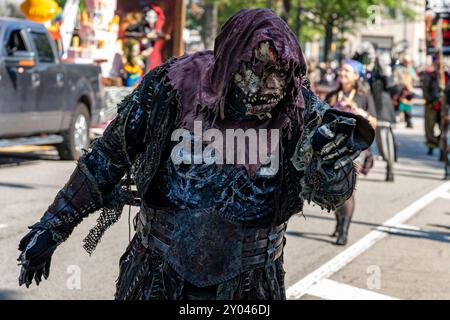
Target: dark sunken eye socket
x: 265, y: 53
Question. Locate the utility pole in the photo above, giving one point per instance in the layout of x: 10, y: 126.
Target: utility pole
x: 180, y: 20
x: 444, y: 106
x: 298, y: 21
x: 341, y: 40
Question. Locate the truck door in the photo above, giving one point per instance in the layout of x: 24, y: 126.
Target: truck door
x: 50, y: 96
x: 17, y: 84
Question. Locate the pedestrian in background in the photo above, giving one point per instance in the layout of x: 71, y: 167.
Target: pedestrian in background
x: 313, y: 74
x: 404, y: 75
x: 445, y: 134
x: 328, y: 76
x: 384, y: 107
x: 432, y: 118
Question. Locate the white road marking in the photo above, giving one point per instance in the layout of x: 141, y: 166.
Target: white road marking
x: 407, y: 227
x: 331, y: 290
x: 445, y: 195
x: 399, y: 228
x: 300, y: 288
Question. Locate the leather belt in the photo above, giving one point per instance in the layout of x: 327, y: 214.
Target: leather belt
x: 260, y: 246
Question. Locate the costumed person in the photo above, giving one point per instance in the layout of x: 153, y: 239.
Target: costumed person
x: 150, y: 32
x: 155, y: 58
x: 384, y: 107
x: 352, y: 96
x: 444, y: 142
x: 385, y: 112
x: 432, y: 117
x: 209, y: 230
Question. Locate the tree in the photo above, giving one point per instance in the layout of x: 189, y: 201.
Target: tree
x: 210, y: 23
x: 208, y: 15
x: 311, y: 17
x: 82, y: 4
x: 326, y: 16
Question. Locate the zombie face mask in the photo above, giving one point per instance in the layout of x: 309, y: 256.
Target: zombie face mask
x: 259, y: 85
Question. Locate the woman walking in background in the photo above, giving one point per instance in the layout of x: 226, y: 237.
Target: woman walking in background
x: 352, y: 96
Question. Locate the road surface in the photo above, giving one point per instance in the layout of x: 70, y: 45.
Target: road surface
x: 398, y: 244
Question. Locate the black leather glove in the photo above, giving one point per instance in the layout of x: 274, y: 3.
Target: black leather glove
x: 330, y: 177
x: 341, y: 138
x: 331, y: 140
x: 76, y: 200
x: 37, y: 248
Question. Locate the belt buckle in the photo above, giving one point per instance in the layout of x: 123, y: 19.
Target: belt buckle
x: 272, y: 237
x: 270, y: 255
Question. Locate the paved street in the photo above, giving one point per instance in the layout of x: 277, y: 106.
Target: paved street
x: 398, y: 246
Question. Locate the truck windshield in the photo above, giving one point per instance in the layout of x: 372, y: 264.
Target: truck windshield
x: 43, y: 47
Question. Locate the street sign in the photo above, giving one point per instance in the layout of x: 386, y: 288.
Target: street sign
x: 438, y: 6
x: 431, y: 33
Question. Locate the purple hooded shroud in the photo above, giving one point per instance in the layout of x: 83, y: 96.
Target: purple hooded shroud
x: 201, y: 79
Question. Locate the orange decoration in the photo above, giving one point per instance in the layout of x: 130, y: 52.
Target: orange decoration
x: 39, y: 10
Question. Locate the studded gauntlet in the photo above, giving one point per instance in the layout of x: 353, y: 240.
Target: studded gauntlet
x: 330, y: 142
x: 79, y: 197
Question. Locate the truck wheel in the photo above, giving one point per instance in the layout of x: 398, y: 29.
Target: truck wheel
x: 76, y: 138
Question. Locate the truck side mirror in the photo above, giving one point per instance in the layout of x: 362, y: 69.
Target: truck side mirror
x: 21, y: 58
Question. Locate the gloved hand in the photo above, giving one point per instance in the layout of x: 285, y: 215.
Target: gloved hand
x: 79, y: 197
x: 341, y: 138
x: 338, y: 139
x: 37, y: 249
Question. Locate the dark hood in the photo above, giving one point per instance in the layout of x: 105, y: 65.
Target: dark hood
x: 201, y: 79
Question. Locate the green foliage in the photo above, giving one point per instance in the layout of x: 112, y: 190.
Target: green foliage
x: 61, y: 3
x: 316, y: 15
x: 229, y: 7
x: 226, y: 8
x: 82, y: 4
x: 319, y: 13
